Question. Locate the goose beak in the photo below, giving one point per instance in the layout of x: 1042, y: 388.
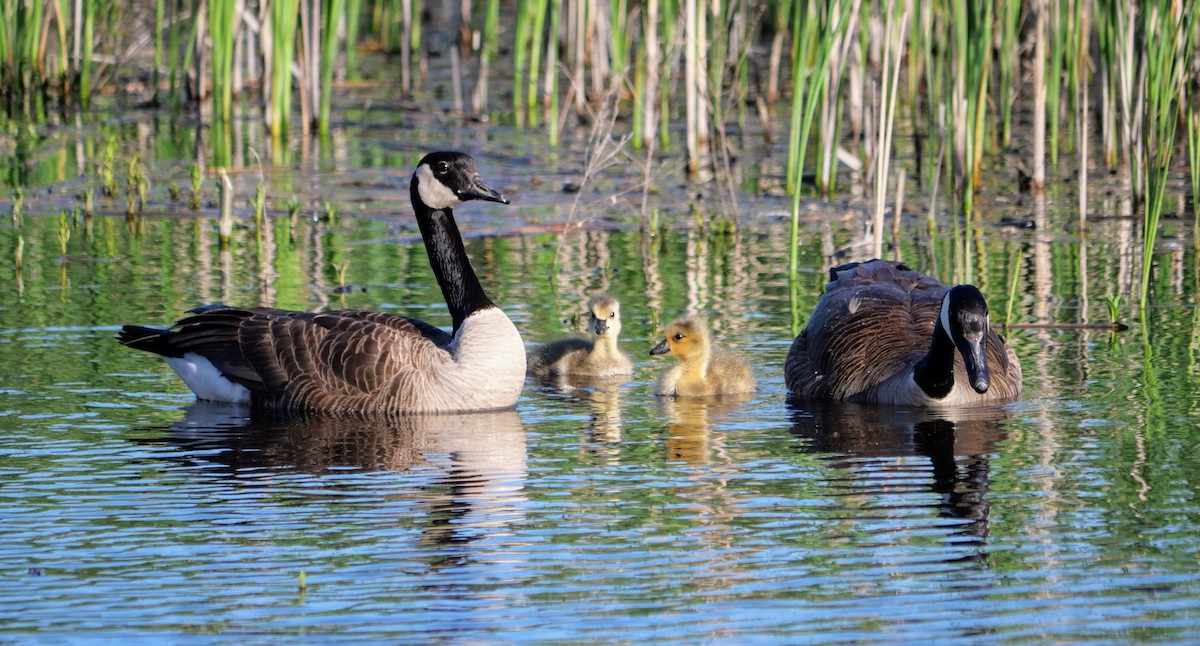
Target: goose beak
x: 479, y: 190
x: 601, y: 326
x: 661, y: 348
x: 975, y: 361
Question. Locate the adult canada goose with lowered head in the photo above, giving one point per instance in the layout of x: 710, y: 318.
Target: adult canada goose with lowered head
x: 701, y: 371
x: 596, y: 356
x: 356, y: 360
x: 883, y: 333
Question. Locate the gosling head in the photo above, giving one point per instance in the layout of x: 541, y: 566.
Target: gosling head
x: 605, y: 314
x: 964, y: 318
x: 686, y: 338
x: 446, y: 179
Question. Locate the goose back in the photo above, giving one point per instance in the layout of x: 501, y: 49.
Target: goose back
x: 874, y: 324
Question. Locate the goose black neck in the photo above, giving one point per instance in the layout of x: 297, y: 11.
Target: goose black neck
x: 448, y: 258
x: 935, y: 372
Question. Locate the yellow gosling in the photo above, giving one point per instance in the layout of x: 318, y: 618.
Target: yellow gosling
x: 702, y: 371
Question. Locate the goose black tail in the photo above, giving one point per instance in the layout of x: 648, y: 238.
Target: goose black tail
x: 148, y: 339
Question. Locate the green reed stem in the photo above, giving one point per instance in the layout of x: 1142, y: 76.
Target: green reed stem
x: 536, y: 35
x: 1170, y: 40
x: 221, y: 21
x: 1008, y: 64
x: 354, y: 10
x: 85, y: 62
x: 329, y: 41
x: 1193, y: 121
x: 525, y: 18
x: 816, y: 30
x: 282, y: 25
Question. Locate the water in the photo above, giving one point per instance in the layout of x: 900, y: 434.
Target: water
x: 593, y: 511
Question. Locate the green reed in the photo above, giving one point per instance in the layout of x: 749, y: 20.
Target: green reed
x: 282, y: 25
x: 197, y: 177
x: 817, y: 27
x: 1169, y: 46
x: 18, y: 205
x: 1193, y: 121
x: 330, y: 16
x: 488, y: 51
x: 537, y: 35
x: 174, y: 59
x: 1058, y: 34
x: 550, y: 89
x: 64, y: 234
x: 354, y: 11
x: 971, y: 62
x: 526, y: 11
x: 221, y: 20
x: 1008, y: 64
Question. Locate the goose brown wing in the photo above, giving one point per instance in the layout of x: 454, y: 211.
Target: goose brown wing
x: 401, y: 324
x: 303, y: 355
x: 875, y: 319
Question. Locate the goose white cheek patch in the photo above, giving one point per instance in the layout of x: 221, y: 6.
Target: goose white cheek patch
x: 945, y: 314
x: 434, y: 193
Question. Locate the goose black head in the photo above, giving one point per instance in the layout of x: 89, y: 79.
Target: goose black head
x: 964, y: 318
x: 447, y: 179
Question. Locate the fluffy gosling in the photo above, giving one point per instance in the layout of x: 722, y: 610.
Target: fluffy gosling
x: 594, y: 356
x: 702, y: 371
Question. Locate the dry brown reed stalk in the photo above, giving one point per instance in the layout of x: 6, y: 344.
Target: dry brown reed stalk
x: 895, y: 32
x: 829, y: 138
x: 1082, y: 88
x: 695, y: 56
x: 1040, y: 44
x: 650, y: 86
x: 602, y: 151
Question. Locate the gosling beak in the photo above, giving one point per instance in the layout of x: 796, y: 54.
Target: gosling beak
x: 601, y: 326
x: 661, y: 348
x: 479, y: 190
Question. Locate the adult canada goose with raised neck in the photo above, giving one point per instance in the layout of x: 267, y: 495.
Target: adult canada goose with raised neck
x: 702, y: 371
x: 593, y: 356
x: 355, y: 360
x: 883, y: 333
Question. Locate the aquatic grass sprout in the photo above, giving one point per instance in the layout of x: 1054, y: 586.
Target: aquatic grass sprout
x: 197, y: 177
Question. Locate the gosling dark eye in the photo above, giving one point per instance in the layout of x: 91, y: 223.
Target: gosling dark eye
x: 678, y: 337
x: 443, y: 167
x: 612, y: 315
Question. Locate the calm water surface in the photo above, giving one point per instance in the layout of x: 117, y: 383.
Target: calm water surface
x: 594, y: 511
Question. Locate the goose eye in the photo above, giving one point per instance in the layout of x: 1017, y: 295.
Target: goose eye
x: 678, y: 337
x: 612, y: 315
x: 443, y: 167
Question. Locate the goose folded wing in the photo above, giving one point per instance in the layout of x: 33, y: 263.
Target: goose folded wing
x: 334, y: 354
x: 401, y: 324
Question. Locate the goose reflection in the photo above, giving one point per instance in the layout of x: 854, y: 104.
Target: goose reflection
x: 689, y: 434
x: 957, y: 443
x: 468, y: 469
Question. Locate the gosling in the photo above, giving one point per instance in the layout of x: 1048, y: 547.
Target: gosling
x: 702, y: 371
x: 593, y: 356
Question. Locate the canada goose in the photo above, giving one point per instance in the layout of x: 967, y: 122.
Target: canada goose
x: 597, y: 356
x: 357, y: 360
x: 883, y: 333
x: 701, y: 371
